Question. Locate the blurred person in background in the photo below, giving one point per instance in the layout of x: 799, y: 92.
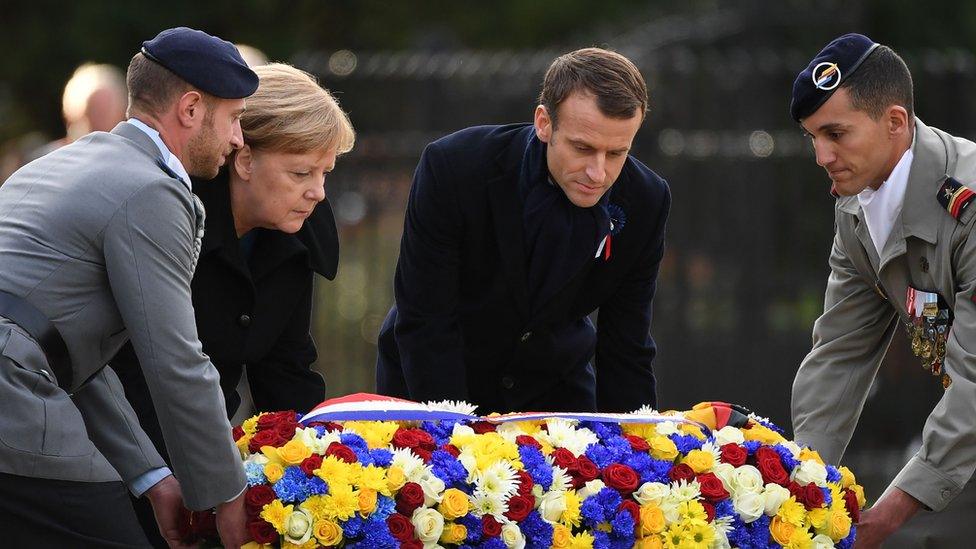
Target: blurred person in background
x: 514, y: 235
x: 269, y: 230
x: 903, y: 256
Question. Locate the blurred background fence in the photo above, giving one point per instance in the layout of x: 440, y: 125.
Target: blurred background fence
x: 751, y: 223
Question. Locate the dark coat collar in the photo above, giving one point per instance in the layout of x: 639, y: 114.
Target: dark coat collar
x: 318, y: 238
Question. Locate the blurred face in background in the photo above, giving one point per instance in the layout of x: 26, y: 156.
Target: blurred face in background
x: 586, y: 149
x: 278, y: 190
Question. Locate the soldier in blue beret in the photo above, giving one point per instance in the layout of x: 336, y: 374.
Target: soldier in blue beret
x: 98, y: 242
x: 903, y: 257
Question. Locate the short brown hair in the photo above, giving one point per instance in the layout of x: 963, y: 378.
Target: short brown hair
x: 615, y: 81
x: 152, y: 87
x: 291, y: 113
x: 882, y: 80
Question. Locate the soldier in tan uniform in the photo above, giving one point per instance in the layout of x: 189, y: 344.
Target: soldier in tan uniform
x: 902, y: 259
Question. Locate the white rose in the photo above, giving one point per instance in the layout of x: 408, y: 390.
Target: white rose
x: 728, y: 435
x: 591, y: 488
x: 821, y: 541
x: 724, y: 472
x: 428, y: 524
x: 433, y: 489
x: 552, y: 505
x: 651, y: 492
x: 298, y: 527
x: 793, y: 447
x: 666, y: 428
x: 749, y: 506
x: 512, y: 536
x: 810, y: 471
x: 774, y: 495
x: 746, y: 479
x: 669, y: 507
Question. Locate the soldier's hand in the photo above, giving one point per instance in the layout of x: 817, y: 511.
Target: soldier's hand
x: 232, y: 523
x: 886, y: 516
x: 167, y: 503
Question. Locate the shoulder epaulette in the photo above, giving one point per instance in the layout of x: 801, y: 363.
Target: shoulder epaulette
x: 955, y: 198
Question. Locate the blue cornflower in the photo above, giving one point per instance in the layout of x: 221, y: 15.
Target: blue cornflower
x: 686, y: 443
x: 440, y: 430
x: 623, y: 524
x: 642, y: 464
x: 833, y: 475
x: 601, y: 540
x: 659, y: 469
x: 447, y: 468
x: 536, y: 465
x: 377, y: 534
x: 292, y: 485
x: 255, y: 473
x: 724, y: 508
x: 600, y: 507
x: 316, y: 486
x: 381, y: 457
x: 493, y: 543
x: 538, y: 532
x: 353, y: 527
x: 751, y: 446
x: 385, y: 506
x: 828, y: 499
x: 353, y: 441
x: 603, y: 430
x: 848, y: 542
x: 759, y: 530
x: 473, y: 525
x: 786, y: 456
x: 599, y: 455
x: 619, y: 447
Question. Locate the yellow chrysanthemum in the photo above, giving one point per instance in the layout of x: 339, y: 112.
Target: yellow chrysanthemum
x: 489, y: 448
x: 691, y: 429
x: 250, y: 425
x: 276, y: 514
x: 273, y: 471
x: 242, y: 444
x: 801, y: 539
x: 699, y: 535
x: 846, y: 477
x: 315, y: 506
x: 817, y: 518
x: 792, y: 512
x: 583, y: 540
x: 663, y: 447
x: 372, y: 477
x: 377, y: 434
x: 571, y: 517
x: 763, y: 434
x: 334, y: 471
x: 700, y: 461
x: 310, y: 544
x: 342, y: 502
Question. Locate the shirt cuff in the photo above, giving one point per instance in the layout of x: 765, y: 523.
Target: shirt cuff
x: 927, y: 484
x: 147, y: 480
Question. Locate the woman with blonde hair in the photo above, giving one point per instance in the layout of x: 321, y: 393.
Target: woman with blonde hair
x: 269, y: 227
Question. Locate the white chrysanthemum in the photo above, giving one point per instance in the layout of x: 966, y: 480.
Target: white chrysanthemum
x: 564, y: 434
x: 810, y: 471
x: 651, y: 492
x: 412, y: 466
x: 684, y: 491
x: 499, y: 479
x: 510, y: 431
x: 759, y: 419
x: 712, y: 449
x: 590, y: 488
x: 645, y: 410
x: 561, y: 481
x: 456, y: 406
x: 722, y: 525
x: 317, y: 444
x: 728, y: 435
x: 488, y: 504
x: 721, y: 541
x: 666, y: 428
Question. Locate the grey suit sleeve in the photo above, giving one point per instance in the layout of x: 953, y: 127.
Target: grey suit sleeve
x: 147, y: 248
x: 849, y: 340
x: 125, y: 445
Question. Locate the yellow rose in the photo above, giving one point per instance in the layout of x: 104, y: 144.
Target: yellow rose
x: 763, y: 434
x: 327, y: 532
x: 838, y: 524
x: 561, y: 536
x: 781, y: 530
x: 691, y: 429
x: 699, y: 460
x: 454, y: 504
x: 663, y: 448
x: 808, y: 453
x: 846, y: 477
x: 454, y: 533
x: 367, y: 501
x: 273, y: 472
x: 859, y: 493
x: 294, y: 452
x: 651, y: 520
x: 650, y: 542
x: 395, y: 478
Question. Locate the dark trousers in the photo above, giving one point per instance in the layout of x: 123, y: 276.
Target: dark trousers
x: 47, y: 513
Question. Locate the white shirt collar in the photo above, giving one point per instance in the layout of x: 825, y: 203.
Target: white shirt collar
x: 882, y: 207
x: 168, y: 157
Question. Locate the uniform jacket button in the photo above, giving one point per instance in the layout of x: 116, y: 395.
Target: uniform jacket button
x: 244, y: 320
x: 946, y: 493
x: 526, y: 336
x: 508, y: 382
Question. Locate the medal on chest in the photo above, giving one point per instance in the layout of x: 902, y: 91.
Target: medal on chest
x: 930, y: 321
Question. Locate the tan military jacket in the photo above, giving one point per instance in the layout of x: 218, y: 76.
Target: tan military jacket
x: 866, y: 302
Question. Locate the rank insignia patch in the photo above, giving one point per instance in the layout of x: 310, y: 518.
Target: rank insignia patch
x: 955, y: 197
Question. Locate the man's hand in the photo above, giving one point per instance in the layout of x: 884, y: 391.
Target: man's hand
x: 167, y: 503
x: 232, y: 523
x: 886, y: 516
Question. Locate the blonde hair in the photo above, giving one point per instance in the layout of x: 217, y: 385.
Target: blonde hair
x: 86, y: 80
x: 291, y: 113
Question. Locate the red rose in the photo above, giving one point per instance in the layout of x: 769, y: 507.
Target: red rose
x: 423, y: 454
x: 795, y: 490
x: 490, y: 527
x: 525, y: 483
x: 238, y: 432
x: 268, y: 421
x: 451, y: 449
x: 637, y: 443
x: 286, y: 430
x: 261, y: 531
x: 564, y: 458
x: 412, y: 544
x: 482, y: 427
x: 586, y: 469
x: 850, y: 501
x: 264, y: 438
x: 400, y: 527
x: 631, y: 507
x: 257, y: 497
x: 341, y: 452
x: 709, y: 510
x: 409, y: 498
x: 733, y: 454
x: 681, y: 471
x: 712, y: 488
x: 527, y: 440
x: 621, y: 478
x: 771, y: 467
x: 519, y: 507
x: 311, y: 463
x: 813, y: 497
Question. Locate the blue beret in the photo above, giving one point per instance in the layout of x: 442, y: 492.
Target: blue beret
x: 816, y: 83
x: 206, y: 62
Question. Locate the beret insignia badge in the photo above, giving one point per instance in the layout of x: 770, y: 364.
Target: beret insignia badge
x: 826, y: 76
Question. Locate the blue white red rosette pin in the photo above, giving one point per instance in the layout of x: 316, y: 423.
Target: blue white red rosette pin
x: 618, y: 218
